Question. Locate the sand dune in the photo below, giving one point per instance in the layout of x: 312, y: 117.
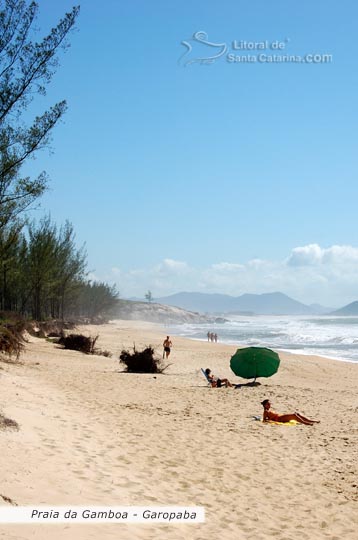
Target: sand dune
x: 92, y: 435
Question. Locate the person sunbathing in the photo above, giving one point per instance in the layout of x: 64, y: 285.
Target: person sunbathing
x: 275, y: 417
x: 215, y: 381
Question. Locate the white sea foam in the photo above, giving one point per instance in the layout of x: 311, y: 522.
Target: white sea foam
x: 332, y: 337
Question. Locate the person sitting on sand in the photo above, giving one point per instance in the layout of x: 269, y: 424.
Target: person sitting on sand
x: 215, y: 381
x: 275, y: 417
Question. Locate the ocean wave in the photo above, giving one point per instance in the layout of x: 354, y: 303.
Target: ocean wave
x: 323, y: 336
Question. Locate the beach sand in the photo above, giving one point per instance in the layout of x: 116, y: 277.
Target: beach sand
x: 91, y: 435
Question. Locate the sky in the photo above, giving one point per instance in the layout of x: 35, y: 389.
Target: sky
x: 183, y: 167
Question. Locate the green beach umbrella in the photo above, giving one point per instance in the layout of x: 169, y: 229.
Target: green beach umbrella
x: 253, y: 362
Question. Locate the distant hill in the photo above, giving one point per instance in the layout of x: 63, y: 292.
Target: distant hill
x: 348, y: 310
x: 157, y: 313
x: 275, y: 303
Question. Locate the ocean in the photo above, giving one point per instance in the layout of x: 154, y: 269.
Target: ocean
x: 332, y: 337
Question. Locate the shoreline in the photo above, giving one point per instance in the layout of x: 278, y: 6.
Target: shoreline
x: 285, y: 351
x: 240, y: 344
x: 144, y: 440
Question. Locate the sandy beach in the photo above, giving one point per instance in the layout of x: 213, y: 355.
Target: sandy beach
x: 91, y: 434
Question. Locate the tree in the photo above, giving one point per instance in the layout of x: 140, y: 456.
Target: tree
x: 96, y: 299
x: 70, y: 264
x: 10, y: 266
x: 43, y: 275
x: 53, y: 268
x: 40, y: 264
x: 148, y: 296
x: 26, y: 68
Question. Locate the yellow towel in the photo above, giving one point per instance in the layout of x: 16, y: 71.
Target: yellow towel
x: 290, y: 423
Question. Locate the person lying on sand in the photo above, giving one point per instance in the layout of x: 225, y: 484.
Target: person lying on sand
x: 275, y: 417
x: 215, y: 381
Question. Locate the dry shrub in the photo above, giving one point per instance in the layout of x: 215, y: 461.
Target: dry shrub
x: 34, y: 330
x: 11, y: 340
x: 7, y: 423
x: 53, y: 328
x: 142, y: 361
x: 8, y: 500
x: 11, y: 317
x: 105, y: 353
x: 78, y: 342
x: 13, y: 322
x: 4, y: 359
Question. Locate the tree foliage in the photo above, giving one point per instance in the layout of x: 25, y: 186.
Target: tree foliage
x: 95, y: 298
x: 43, y: 275
x: 26, y: 68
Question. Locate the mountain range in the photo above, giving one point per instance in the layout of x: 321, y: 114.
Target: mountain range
x: 275, y: 303
x: 346, y: 311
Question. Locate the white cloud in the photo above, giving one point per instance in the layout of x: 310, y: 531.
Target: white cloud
x: 340, y: 255
x: 305, y: 255
x: 309, y: 274
x: 257, y: 263
x: 229, y: 268
x: 313, y: 254
x: 170, y: 266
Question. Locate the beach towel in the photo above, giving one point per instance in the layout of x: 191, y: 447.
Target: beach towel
x: 290, y: 423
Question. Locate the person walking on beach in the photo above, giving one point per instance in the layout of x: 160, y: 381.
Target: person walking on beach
x: 275, y: 417
x: 167, y: 345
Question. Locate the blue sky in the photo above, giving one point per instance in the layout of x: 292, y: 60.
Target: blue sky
x: 227, y: 177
